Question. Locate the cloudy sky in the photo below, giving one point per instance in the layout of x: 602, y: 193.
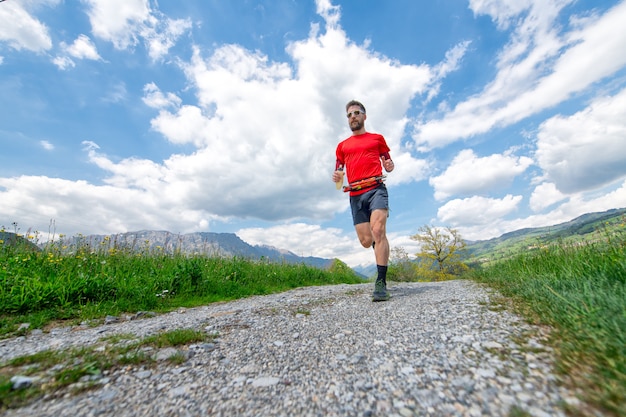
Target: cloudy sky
x: 223, y: 116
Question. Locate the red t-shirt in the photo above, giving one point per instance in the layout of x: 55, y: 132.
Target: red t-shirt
x: 360, y: 156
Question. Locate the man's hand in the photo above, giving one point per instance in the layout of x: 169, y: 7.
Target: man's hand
x: 337, y: 176
x: 388, y: 164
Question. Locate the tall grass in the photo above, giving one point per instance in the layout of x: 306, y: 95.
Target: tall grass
x: 579, y: 290
x: 83, y: 283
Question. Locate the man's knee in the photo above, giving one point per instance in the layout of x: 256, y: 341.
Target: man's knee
x: 366, y: 242
x: 364, y: 234
x: 366, y: 239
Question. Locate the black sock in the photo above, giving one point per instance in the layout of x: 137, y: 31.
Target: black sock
x: 382, y: 273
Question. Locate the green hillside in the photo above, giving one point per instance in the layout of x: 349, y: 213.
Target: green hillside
x: 12, y: 239
x: 586, y: 228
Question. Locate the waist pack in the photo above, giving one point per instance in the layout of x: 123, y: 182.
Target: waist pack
x: 364, y: 183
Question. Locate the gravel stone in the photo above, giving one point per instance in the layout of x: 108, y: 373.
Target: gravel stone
x: 433, y: 349
x: 21, y: 382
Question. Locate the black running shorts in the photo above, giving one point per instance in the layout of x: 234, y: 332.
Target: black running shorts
x: 362, y: 205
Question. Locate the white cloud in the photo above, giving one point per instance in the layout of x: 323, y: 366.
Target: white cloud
x: 188, y: 125
x: 588, y: 149
x: 576, y: 205
x: 470, y: 174
x: 329, y: 12
x: 82, y: 48
x: 404, y: 241
x: 80, y: 207
x: 46, y: 145
x: 505, y: 13
x: 313, y: 240
x: 538, y: 69
x: 63, y: 62
x: 500, y: 12
x: 407, y: 169
x: 302, y: 239
x: 20, y: 30
x: 477, y: 210
x: 545, y: 195
x: 161, y: 34
x: 453, y: 59
x: 125, y: 22
x: 451, y: 63
x: 118, y: 21
x: 156, y: 99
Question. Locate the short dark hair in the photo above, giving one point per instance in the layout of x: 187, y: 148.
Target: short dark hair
x: 355, y: 103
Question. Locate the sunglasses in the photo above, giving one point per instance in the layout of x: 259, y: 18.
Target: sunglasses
x: 355, y: 113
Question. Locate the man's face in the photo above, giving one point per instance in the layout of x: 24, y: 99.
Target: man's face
x: 356, y: 118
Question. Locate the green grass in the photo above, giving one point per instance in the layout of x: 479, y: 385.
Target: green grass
x: 80, y: 363
x: 580, y: 291
x: 87, y: 284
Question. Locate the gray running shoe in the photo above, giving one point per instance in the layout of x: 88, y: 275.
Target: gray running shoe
x: 380, y: 291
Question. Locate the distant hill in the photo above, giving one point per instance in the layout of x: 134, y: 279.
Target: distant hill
x: 212, y: 244
x: 12, y: 239
x: 588, y: 227
x: 367, y: 271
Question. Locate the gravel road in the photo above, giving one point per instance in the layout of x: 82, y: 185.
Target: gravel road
x: 434, y: 349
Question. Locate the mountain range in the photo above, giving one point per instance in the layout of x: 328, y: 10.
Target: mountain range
x: 201, y: 243
x: 587, y: 227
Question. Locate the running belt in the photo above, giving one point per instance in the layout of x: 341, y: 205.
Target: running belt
x: 364, y: 183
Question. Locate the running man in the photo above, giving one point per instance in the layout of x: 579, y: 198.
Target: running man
x: 362, y: 157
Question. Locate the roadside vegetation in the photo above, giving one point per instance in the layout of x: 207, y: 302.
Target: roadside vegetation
x: 441, y: 257
x: 84, y: 283
x: 572, y: 279
x: 579, y: 290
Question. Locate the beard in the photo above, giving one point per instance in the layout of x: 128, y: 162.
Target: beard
x: 355, y: 125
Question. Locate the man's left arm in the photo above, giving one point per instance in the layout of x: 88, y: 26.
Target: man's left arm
x: 387, y: 162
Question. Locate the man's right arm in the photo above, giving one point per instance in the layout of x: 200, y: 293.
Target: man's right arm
x: 338, y: 174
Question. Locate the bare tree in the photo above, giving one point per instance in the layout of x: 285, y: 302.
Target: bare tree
x: 442, y: 249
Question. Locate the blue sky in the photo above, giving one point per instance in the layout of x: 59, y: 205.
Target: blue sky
x: 223, y: 116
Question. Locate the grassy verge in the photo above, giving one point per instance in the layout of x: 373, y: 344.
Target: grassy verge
x: 38, y: 287
x: 581, y: 292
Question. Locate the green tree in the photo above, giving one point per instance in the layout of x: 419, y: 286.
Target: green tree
x: 340, y: 268
x: 441, y: 250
